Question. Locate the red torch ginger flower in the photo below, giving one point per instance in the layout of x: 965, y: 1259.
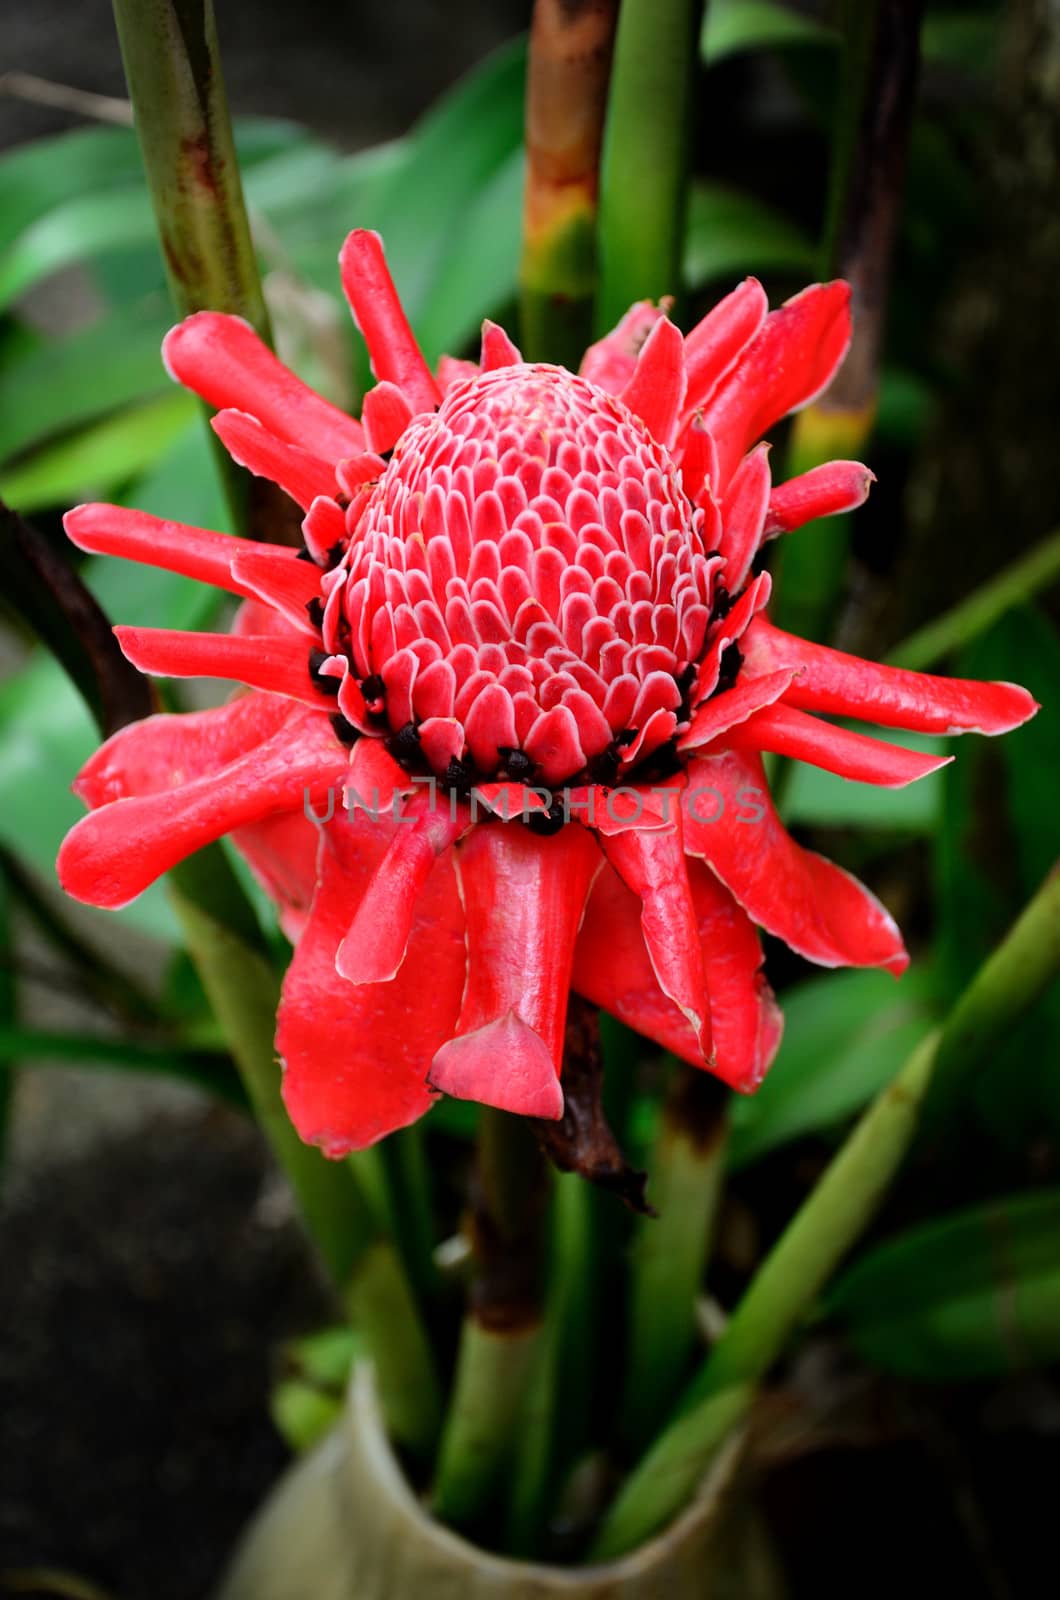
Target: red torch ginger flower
x: 507, y: 707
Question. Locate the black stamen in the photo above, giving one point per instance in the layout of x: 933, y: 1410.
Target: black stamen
x: 730, y: 664
x: 345, y: 731
x: 516, y: 763
x: 373, y: 689
x: 404, y: 746
x: 336, y: 553
x: 305, y: 554
x: 314, y: 610
x: 546, y: 823
x: 325, y: 684
x: 723, y: 603
x: 459, y: 777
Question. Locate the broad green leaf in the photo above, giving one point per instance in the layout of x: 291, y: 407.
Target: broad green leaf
x: 955, y: 39
x: 477, y: 276
x: 823, y: 798
x: 998, y: 839
x: 83, y: 194
x: 74, y: 231
x: 845, y: 1035
x: 93, y: 462
x: 66, y: 382
x: 972, y: 1295
x: 729, y: 233
x: 732, y: 26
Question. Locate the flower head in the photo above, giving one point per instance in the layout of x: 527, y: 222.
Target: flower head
x: 525, y: 647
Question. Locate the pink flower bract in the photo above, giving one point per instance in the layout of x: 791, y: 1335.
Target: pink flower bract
x: 503, y: 715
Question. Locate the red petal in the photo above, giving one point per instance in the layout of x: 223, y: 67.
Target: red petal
x: 164, y: 751
x: 612, y: 969
x: 743, y: 515
x: 276, y: 576
x: 814, y: 906
x: 789, y: 362
x: 656, y: 391
x: 136, y: 536
x: 716, y: 341
x: 114, y: 853
x: 733, y: 706
x: 396, y: 356
x: 822, y: 492
x: 523, y: 897
x: 278, y: 664
x: 726, y: 632
x: 792, y: 733
x: 497, y: 349
x: 653, y: 866
x: 222, y: 359
x: 845, y: 685
x: 374, y: 948
x: 385, y: 414
x: 609, y: 363
x: 301, y: 475
x: 451, y: 370
x: 504, y: 1064
x: 699, y: 461
x: 356, y: 1057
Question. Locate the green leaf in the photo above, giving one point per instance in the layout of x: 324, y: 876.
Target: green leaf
x: 66, y: 198
x: 66, y: 382
x: 93, y: 462
x: 477, y: 276
x: 972, y: 1295
x: 733, y: 26
x: 74, y: 231
x: 729, y: 233
x: 845, y: 1035
x: 997, y: 842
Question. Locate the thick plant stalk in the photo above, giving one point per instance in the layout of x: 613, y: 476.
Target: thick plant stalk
x: 566, y: 95
x: 869, y: 145
x: 972, y: 616
x: 173, y: 70
x: 830, y: 1222
x: 670, y: 1250
x: 644, y: 169
x: 502, y: 1333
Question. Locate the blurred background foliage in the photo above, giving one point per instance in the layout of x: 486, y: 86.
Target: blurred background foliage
x: 961, y: 1279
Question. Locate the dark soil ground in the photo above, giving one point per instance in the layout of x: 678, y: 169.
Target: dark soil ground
x: 147, y: 1284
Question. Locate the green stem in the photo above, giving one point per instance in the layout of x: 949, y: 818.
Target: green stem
x: 406, y: 1183
x: 1014, y: 584
x: 644, y: 168
x: 670, y: 1251
x: 555, y: 1419
x: 566, y: 95
x: 829, y: 1223
x: 502, y: 1333
x: 173, y: 69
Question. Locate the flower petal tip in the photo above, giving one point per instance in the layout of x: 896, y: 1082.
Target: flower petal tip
x: 504, y: 1064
